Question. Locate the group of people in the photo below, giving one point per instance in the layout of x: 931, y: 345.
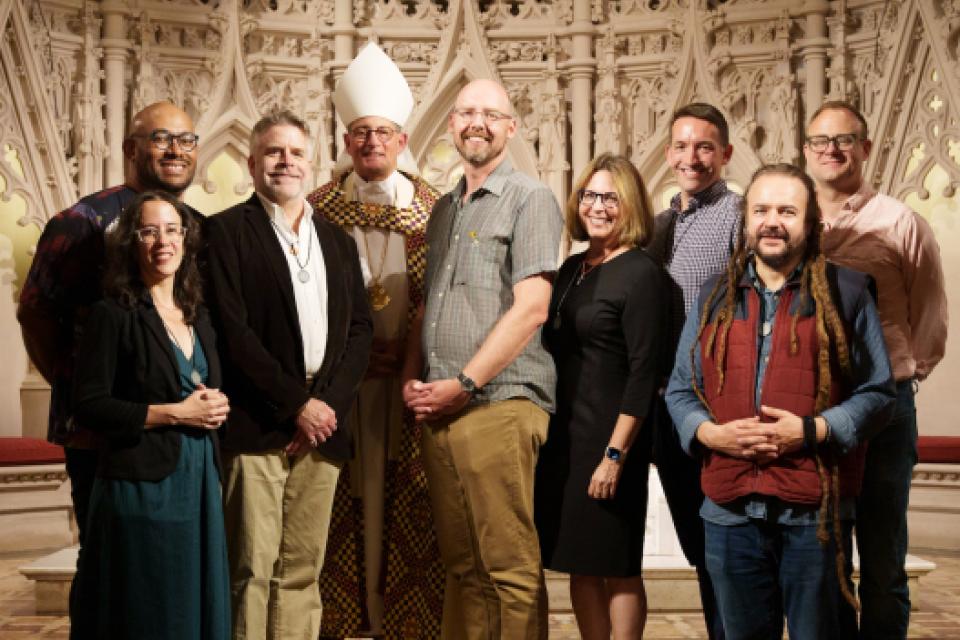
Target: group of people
x: 396, y: 399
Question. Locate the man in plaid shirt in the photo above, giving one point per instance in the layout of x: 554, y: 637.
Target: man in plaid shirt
x: 693, y: 239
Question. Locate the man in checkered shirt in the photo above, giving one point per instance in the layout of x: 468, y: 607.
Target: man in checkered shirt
x: 693, y: 239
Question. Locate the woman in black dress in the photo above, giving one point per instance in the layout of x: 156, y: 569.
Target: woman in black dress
x: 603, y: 331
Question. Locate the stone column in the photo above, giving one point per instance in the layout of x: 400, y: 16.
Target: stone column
x: 114, y: 44
x: 343, y: 51
x: 814, y: 53
x: 581, y: 68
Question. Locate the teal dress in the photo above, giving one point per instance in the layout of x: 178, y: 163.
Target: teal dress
x: 155, y: 560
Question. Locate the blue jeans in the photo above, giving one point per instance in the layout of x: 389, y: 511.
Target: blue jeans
x: 882, y: 522
x: 762, y: 571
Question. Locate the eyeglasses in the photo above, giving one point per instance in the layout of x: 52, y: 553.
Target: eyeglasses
x: 384, y: 134
x: 609, y: 199
x: 151, y: 234
x: 489, y: 116
x: 842, y: 141
x: 162, y: 139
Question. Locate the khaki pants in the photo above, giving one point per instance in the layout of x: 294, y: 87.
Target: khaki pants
x: 480, y: 467
x: 277, y: 513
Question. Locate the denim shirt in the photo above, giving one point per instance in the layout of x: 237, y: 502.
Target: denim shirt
x: 849, y: 420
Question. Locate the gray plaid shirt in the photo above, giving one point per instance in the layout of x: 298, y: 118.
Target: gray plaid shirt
x: 508, y: 230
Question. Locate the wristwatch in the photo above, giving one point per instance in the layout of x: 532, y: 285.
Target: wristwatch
x: 614, y: 454
x: 467, y: 383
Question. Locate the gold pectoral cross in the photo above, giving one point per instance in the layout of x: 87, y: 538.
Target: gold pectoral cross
x: 379, y: 298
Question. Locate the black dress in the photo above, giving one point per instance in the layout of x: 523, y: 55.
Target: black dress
x: 604, y: 334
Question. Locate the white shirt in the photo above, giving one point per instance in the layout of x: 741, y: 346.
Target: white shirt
x: 310, y: 296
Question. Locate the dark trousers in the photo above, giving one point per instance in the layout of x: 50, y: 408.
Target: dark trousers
x: 81, y: 467
x: 882, y: 522
x: 680, y: 478
x: 764, y: 571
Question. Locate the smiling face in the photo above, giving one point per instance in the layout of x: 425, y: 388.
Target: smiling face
x: 169, y: 169
x: 600, y: 221
x: 279, y: 164
x: 373, y: 158
x: 480, y: 141
x: 776, y: 220
x: 839, y: 170
x: 160, y: 253
x: 696, y: 154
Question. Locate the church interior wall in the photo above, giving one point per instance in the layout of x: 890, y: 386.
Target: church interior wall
x: 585, y: 76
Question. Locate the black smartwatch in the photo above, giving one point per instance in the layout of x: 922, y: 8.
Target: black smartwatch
x: 612, y: 453
x: 809, y: 434
x: 467, y: 383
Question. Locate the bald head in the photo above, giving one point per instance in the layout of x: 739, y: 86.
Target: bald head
x: 157, y: 154
x: 481, y: 123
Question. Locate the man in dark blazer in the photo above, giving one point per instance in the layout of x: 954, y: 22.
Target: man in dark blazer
x: 295, y: 331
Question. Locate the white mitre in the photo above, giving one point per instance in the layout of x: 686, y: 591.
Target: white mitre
x: 373, y: 85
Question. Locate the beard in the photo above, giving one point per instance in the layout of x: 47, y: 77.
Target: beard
x: 152, y: 180
x: 478, y: 157
x: 776, y: 259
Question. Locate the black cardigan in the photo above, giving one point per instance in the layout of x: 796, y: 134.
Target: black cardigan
x: 126, y: 362
x: 254, y: 309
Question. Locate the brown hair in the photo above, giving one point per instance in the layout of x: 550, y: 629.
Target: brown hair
x: 706, y: 112
x: 275, y: 118
x: 121, y: 278
x: 843, y: 105
x: 832, y: 339
x: 635, y: 224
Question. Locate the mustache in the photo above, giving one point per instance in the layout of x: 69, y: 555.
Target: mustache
x: 778, y: 234
x: 473, y: 131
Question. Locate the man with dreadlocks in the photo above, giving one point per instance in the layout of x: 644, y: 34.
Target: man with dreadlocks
x: 781, y: 375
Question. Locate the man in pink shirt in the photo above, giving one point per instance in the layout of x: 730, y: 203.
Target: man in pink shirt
x: 879, y: 235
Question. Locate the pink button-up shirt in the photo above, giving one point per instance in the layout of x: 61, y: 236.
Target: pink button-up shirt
x: 876, y: 234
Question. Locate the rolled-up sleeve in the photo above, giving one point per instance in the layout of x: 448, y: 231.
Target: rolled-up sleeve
x: 867, y: 409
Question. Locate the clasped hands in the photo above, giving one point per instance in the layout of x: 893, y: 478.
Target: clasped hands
x: 437, y: 398
x: 316, y: 422
x: 751, y: 439
x: 205, y: 408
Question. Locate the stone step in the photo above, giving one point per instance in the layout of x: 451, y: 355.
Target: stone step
x: 671, y: 584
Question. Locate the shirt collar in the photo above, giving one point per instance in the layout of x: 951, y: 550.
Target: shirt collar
x: 275, y: 213
x: 376, y: 187
x: 751, y: 279
x: 708, y: 196
x: 494, y: 183
x: 856, y: 202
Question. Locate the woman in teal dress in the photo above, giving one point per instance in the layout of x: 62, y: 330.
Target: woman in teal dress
x: 154, y: 563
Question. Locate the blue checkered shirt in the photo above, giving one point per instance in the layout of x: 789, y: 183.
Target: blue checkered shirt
x: 696, y: 243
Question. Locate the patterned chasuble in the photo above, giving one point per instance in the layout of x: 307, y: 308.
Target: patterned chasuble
x: 412, y: 574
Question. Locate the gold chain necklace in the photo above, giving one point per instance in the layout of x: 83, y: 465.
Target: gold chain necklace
x: 379, y: 298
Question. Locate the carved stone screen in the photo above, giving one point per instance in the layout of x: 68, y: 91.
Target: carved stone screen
x: 584, y: 75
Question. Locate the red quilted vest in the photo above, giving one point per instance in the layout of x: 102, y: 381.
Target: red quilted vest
x: 790, y: 383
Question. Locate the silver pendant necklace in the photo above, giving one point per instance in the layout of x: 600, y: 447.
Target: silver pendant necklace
x: 303, y: 275
x: 195, y: 377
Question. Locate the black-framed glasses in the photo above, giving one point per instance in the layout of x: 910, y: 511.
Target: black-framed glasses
x: 383, y: 134
x: 609, y: 199
x: 842, y: 141
x: 490, y: 116
x: 163, y: 139
x: 151, y: 233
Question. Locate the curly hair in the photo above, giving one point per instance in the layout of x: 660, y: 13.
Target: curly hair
x: 832, y: 338
x: 122, y: 279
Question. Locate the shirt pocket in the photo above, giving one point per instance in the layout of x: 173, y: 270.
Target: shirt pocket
x: 481, y: 263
